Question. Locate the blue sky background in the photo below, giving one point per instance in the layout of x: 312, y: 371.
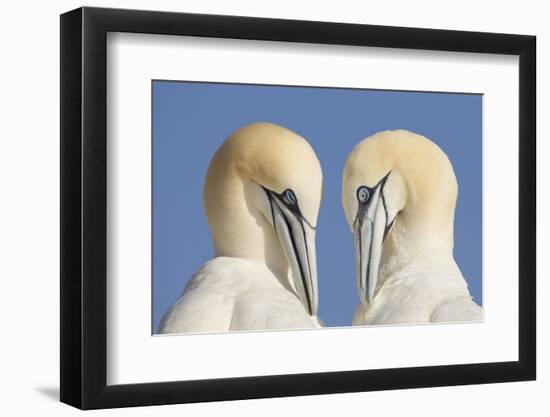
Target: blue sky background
x: 191, y: 120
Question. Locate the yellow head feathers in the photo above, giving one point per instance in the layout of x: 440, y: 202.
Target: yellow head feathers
x: 421, y: 186
x: 275, y: 158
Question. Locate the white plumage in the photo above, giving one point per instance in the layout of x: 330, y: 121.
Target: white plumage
x: 231, y: 294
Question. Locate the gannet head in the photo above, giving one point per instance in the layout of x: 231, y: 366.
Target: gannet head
x: 262, y: 196
x: 399, y: 194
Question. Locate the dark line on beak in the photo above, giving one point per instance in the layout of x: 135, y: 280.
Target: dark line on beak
x: 308, y: 264
x: 360, y: 233
x: 358, y: 224
x: 372, y: 236
x: 298, y: 259
x: 387, y: 229
x: 370, y: 256
x: 308, y: 223
x: 387, y: 226
x: 297, y: 213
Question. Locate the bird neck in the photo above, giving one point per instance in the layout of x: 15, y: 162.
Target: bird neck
x: 239, y: 229
x: 429, y: 242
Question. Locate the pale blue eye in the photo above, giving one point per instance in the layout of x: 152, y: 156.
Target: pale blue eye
x: 289, y: 197
x: 363, y: 194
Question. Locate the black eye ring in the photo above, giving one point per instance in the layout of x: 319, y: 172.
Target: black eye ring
x: 289, y: 197
x: 363, y: 194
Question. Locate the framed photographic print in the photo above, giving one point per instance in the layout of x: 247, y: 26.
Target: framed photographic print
x: 258, y: 207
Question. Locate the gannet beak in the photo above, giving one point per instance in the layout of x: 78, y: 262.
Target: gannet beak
x: 297, y: 237
x: 370, y: 229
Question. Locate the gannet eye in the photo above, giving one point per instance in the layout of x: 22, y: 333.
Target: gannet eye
x: 289, y: 197
x: 363, y: 194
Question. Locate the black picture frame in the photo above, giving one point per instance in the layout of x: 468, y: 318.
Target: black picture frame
x: 84, y: 207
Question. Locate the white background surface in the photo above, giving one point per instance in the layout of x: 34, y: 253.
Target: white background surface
x: 133, y: 60
x: 29, y: 172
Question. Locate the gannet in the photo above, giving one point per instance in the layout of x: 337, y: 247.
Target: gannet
x: 261, y: 198
x: 399, y: 193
